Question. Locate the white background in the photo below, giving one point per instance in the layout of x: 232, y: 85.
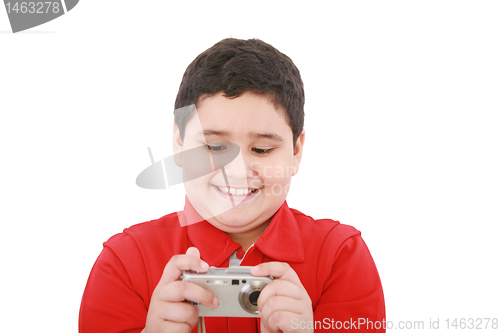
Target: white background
x: 402, y: 140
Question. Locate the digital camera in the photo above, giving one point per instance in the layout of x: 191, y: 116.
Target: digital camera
x: 235, y: 287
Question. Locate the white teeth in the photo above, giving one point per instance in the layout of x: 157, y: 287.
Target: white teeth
x: 234, y: 191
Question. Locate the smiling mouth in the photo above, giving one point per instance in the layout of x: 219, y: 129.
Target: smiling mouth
x: 236, y: 191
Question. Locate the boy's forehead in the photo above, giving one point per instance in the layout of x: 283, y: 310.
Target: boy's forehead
x: 250, y: 134
x: 249, y: 115
x: 247, y: 101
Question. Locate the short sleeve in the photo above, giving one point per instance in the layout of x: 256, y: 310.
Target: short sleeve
x: 111, y: 301
x: 352, y: 297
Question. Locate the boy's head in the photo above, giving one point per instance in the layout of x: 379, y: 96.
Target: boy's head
x: 234, y: 66
x: 248, y: 93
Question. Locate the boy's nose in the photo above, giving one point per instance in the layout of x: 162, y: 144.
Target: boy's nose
x: 239, y: 170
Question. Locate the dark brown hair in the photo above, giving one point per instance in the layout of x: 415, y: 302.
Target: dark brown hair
x: 234, y: 66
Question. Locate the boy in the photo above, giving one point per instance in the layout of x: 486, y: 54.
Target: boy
x: 248, y: 93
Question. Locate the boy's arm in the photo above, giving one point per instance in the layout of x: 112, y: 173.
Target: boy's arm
x: 352, y: 297
x: 117, y: 297
x: 110, y: 302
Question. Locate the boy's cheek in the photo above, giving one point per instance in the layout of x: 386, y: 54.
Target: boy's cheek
x: 197, y: 187
x: 276, y: 186
x: 203, y: 198
x: 276, y: 190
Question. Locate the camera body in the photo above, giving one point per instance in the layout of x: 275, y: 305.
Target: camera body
x: 235, y: 287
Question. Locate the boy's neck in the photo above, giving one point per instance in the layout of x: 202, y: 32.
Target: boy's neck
x: 246, y: 239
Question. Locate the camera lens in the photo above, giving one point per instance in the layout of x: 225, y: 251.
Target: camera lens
x: 249, y: 294
x: 253, y: 297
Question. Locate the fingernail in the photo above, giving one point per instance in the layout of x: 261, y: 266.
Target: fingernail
x: 260, y: 314
x: 255, y: 268
x: 215, y: 302
x: 204, y: 265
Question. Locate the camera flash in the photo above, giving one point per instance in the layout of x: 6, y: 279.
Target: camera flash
x: 216, y: 282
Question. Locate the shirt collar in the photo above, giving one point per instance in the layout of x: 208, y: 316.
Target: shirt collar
x: 281, y: 240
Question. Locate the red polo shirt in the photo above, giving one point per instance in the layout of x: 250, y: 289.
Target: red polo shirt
x: 331, y: 260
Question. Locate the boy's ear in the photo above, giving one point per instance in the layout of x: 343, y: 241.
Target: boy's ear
x: 297, y: 152
x: 177, y: 144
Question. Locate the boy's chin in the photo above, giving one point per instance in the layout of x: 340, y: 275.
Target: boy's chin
x: 233, y: 225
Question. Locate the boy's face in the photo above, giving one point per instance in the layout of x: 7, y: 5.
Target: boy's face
x: 259, y: 178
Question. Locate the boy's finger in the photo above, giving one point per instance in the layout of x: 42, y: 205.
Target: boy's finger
x: 179, y: 291
x: 280, y: 288
x: 278, y: 270
x: 179, y: 312
x: 281, y: 303
x: 169, y: 326
x: 280, y: 321
x: 193, y: 251
x: 179, y: 263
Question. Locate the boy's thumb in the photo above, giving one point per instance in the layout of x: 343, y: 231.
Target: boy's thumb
x: 192, y: 251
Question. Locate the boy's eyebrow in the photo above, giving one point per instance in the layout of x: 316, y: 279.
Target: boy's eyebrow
x: 214, y: 133
x: 270, y: 136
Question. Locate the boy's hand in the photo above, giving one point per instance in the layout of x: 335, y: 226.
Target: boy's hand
x: 167, y: 311
x: 282, y: 300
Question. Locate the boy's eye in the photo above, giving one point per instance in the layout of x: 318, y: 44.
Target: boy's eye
x: 215, y: 148
x: 262, y: 151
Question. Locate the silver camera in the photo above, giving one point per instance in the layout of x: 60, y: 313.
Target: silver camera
x: 235, y: 287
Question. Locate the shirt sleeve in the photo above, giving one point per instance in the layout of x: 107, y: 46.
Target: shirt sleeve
x: 352, y: 299
x: 111, y: 302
